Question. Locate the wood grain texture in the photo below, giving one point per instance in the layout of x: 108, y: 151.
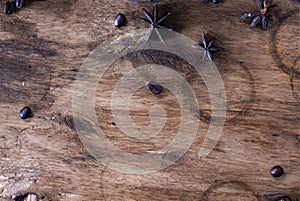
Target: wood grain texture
x: 41, y: 49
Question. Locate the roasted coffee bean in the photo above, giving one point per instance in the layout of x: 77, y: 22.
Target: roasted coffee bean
x: 28, y: 197
x: 276, y: 171
x: 19, y: 3
x: 120, y: 20
x: 12, y: 7
x: 216, y: 1
x: 154, y: 87
x: 6, y: 6
x: 284, y: 198
x: 9, y: 7
x: 25, y: 113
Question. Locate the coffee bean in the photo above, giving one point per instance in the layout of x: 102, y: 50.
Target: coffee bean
x: 275, y: 135
x: 154, y: 87
x: 6, y: 6
x: 19, y: 3
x: 25, y: 113
x: 28, y: 197
x: 9, y: 7
x: 120, y: 20
x: 284, y: 198
x: 276, y: 171
x: 216, y: 1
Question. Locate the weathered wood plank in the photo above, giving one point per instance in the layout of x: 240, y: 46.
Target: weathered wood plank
x: 41, y: 49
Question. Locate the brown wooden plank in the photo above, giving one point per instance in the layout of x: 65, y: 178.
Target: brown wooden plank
x: 42, y: 47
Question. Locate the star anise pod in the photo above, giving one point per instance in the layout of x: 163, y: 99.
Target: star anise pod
x: 208, y: 46
x: 154, y: 21
x: 263, y: 15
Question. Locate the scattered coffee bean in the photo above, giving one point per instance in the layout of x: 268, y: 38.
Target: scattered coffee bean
x: 25, y: 113
x: 284, y: 198
x: 9, y: 7
x: 276, y: 171
x: 19, y: 4
x: 275, y: 135
x: 214, y: 1
x: 120, y: 20
x: 28, y: 197
x: 154, y: 87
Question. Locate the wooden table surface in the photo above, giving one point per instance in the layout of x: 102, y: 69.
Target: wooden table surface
x: 41, y: 49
